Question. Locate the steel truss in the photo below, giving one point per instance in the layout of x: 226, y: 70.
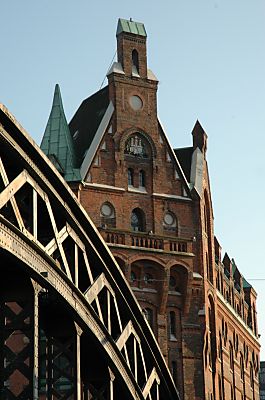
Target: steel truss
x: 70, y: 327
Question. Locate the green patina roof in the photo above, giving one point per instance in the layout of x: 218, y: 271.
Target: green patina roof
x: 57, y: 142
x: 246, y: 284
x: 130, y: 26
x: 234, y: 267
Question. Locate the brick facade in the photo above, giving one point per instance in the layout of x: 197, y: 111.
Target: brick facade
x: 155, y: 213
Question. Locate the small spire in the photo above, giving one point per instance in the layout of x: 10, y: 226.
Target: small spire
x: 199, y: 137
x: 57, y: 142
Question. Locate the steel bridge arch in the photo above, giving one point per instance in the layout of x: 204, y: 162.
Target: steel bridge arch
x: 46, y: 236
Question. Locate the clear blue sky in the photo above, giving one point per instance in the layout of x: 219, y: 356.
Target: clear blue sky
x: 209, y: 56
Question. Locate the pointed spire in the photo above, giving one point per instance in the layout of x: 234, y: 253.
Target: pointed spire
x: 57, y: 142
x: 199, y: 137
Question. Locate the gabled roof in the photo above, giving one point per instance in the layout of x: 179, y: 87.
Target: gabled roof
x: 95, y: 143
x: 57, y: 141
x: 184, y: 156
x: 130, y: 27
x: 86, y: 121
x: 178, y: 165
x: 236, y: 271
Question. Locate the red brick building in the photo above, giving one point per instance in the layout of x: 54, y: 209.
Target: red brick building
x: 152, y: 205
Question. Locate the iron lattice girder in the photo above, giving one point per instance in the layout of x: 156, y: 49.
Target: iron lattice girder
x: 17, y: 321
x: 74, y: 246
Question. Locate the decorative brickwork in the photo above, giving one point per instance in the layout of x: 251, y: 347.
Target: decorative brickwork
x: 200, y: 308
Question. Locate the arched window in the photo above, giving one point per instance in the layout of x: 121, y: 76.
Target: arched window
x: 137, y: 220
x: 209, y: 269
x: 135, y: 61
x: 133, y: 277
x: 148, y: 278
x: 212, y: 334
x: 246, y: 354
x: 205, y: 219
x: 232, y: 369
x: 231, y: 358
x: 141, y: 178
x: 174, y: 281
x: 252, y: 381
x: 107, y: 216
x: 130, y: 177
x: 242, y: 375
x: 148, y: 313
x: 220, y: 355
x: 172, y: 323
x: 242, y: 371
x: 206, y: 349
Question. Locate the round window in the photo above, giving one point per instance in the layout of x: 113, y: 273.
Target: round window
x: 169, y: 219
x: 106, y: 210
x: 136, y: 103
